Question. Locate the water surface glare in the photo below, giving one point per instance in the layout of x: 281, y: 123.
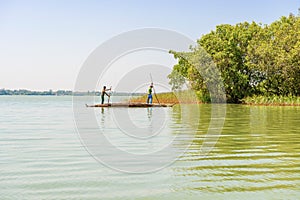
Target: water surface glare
x: 42, y: 157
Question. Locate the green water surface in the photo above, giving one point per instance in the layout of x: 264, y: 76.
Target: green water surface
x: 42, y: 156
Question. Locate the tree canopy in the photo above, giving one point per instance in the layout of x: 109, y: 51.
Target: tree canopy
x: 251, y: 58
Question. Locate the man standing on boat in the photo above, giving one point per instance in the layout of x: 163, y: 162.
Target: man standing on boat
x: 104, y: 93
x: 149, y: 99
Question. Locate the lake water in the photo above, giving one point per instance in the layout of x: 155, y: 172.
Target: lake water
x: 42, y: 155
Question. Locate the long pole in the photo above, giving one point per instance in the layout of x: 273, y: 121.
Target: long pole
x: 154, y: 89
x: 109, y: 95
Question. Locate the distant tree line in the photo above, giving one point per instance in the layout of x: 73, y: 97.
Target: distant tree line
x: 61, y: 93
x: 28, y: 92
x: 253, y: 59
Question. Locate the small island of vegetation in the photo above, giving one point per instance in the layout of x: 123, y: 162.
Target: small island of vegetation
x: 258, y: 64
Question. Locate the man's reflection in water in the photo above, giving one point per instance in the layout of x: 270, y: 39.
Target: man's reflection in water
x: 102, y: 117
x: 149, y: 112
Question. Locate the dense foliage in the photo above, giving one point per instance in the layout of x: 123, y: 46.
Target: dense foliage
x: 252, y: 59
x: 42, y: 93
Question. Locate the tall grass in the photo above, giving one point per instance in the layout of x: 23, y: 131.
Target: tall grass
x: 192, y: 97
x: 170, y: 97
x: 272, y: 100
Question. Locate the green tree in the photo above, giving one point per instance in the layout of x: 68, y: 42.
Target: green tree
x: 252, y: 59
x: 228, y: 47
x: 198, y: 69
x: 275, y: 54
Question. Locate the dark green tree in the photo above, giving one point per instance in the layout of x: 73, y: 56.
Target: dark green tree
x: 252, y: 59
x: 275, y: 54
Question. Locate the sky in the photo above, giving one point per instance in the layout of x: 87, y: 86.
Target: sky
x: 43, y: 44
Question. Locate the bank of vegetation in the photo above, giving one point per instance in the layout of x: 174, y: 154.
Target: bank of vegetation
x: 249, y: 62
x: 272, y: 100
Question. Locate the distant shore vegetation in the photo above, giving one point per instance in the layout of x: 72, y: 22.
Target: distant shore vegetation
x: 61, y: 93
x: 29, y: 92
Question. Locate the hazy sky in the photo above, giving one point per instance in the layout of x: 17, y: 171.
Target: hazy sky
x: 44, y: 43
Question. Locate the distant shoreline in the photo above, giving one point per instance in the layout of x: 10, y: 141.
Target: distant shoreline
x: 7, y: 92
